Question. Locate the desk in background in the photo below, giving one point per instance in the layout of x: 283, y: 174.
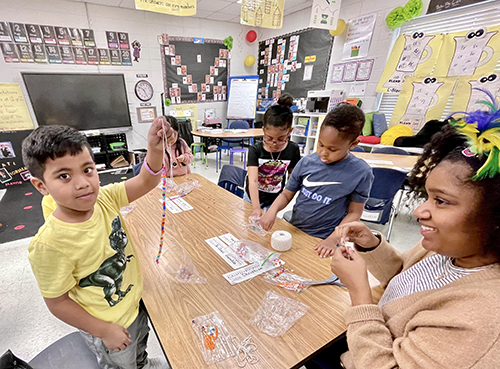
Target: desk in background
x: 172, y: 305
x: 402, y: 162
x: 250, y: 133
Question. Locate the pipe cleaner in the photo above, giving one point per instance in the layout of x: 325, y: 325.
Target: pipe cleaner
x: 482, y: 129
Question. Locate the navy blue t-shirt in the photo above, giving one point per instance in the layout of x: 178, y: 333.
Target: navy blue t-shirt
x: 326, y: 190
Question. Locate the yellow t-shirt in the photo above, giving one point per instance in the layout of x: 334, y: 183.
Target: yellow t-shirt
x: 93, y: 260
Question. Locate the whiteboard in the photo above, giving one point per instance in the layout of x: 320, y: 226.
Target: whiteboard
x: 242, y: 99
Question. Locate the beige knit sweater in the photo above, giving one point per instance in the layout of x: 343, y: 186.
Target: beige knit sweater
x: 457, y: 326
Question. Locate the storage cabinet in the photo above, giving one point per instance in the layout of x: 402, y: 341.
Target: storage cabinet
x: 305, y: 131
x: 107, y: 148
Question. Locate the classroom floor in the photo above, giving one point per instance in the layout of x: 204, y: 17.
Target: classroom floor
x: 28, y: 327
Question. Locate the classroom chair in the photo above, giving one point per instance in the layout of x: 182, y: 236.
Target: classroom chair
x: 379, y: 207
x: 358, y: 149
x: 243, y: 152
x: 389, y: 150
x: 237, y: 124
x: 69, y: 352
x: 218, y: 156
x: 203, y: 149
x: 232, y: 179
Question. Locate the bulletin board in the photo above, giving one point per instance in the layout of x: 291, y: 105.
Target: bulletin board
x: 195, y: 70
x: 295, y: 63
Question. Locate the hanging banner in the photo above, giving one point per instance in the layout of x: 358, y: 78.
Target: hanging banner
x: 413, y: 54
x: 14, y: 114
x: 470, y: 90
x: 325, y: 14
x: 359, y: 35
x: 467, y: 53
x: 262, y: 13
x: 422, y: 99
x: 173, y: 7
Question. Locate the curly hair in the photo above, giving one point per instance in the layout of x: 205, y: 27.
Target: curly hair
x: 347, y: 119
x: 447, y: 145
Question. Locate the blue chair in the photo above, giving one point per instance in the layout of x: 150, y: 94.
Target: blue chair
x: 379, y: 207
x: 358, y: 149
x: 389, y: 150
x: 237, y: 124
x: 232, y: 179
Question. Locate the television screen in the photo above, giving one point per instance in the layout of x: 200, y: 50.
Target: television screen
x: 83, y: 101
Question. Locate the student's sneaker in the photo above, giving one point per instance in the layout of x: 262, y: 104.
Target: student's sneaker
x: 157, y: 363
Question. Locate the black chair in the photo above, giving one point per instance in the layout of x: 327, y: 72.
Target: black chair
x: 358, y: 149
x: 379, y: 207
x: 69, y: 352
x: 232, y: 179
x: 389, y: 150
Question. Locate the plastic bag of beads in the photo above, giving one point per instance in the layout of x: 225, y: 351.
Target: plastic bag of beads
x: 254, y: 225
x: 127, y: 209
x: 277, y: 314
x: 252, y: 252
x: 186, y: 187
x: 290, y: 281
x: 177, y: 263
x: 213, y: 338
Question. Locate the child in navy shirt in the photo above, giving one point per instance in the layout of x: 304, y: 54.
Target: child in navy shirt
x: 334, y: 184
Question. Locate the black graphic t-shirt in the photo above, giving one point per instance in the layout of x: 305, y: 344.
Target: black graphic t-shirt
x: 272, y: 169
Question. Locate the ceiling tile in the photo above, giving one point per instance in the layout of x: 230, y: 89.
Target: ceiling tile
x: 213, y: 5
x: 221, y: 16
x: 233, y: 9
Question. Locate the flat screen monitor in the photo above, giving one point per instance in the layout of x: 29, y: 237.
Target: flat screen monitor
x: 82, y: 101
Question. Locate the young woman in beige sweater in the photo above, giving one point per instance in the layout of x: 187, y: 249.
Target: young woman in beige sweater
x: 440, y: 308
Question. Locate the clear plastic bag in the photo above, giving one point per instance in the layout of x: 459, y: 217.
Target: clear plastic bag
x: 127, y: 209
x: 186, y: 187
x: 254, y: 225
x: 252, y: 252
x: 213, y: 338
x: 277, y: 314
x: 177, y: 263
x: 292, y: 282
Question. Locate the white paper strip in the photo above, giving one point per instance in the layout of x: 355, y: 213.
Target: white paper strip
x: 226, y: 253
x: 183, y: 204
x: 228, y: 238
x: 247, y: 272
x: 174, y: 209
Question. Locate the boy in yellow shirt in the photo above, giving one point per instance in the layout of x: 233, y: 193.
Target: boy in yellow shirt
x: 84, y: 263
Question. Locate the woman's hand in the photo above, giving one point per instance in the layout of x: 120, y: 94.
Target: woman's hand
x: 350, y: 267
x: 358, y: 233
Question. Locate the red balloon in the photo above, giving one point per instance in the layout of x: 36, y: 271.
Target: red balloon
x: 251, y: 36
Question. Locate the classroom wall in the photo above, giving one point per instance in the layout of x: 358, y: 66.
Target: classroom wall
x: 140, y: 25
x: 381, y: 43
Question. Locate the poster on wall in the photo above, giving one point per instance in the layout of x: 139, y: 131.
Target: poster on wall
x: 19, y: 32
x: 53, y: 54
x: 126, y: 57
x: 25, y: 53
x: 468, y: 53
x: 88, y: 37
x: 123, y: 40
x: 350, y: 72
x: 92, y: 57
x: 9, y: 53
x: 39, y: 53
x: 49, y: 35
x: 364, y: 70
x: 67, y: 54
x: 422, y: 99
x: 34, y: 33
x: 115, y: 57
x: 325, y: 14
x: 413, y: 54
x: 471, y: 90
x: 4, y: 32
x: 76, y: 37
x: 112, y: 38
x: 80, y: 55
x: 62, y: 36
x: 14, y: 114
x: 172, y: 7
x: 262, y: 13
x: 337, y: 73
x: 359, y: 35
x: 103, y: 56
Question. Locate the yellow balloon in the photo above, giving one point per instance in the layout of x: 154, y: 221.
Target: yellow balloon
x: 249, y: 60
x: 340, y: 28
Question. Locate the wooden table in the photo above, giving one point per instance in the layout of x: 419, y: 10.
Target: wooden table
x: 172, y: 305
x: 250, y: 133
x: 405, y: 162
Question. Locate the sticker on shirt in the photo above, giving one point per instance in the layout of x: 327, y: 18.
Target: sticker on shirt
x: 109, y: 275
x: 271, y: 173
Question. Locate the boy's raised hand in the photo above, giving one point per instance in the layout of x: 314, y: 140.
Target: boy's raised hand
x: 155, y: 134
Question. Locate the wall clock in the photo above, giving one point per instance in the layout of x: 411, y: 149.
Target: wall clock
x: 144, y: 90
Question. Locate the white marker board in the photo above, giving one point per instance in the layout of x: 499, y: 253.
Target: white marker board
x: 242, y: 99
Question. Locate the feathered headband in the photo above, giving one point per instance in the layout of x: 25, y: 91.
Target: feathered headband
x: 482, y: 129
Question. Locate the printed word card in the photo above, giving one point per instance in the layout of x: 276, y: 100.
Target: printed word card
x: 248, y: 272
x: 226, y: 253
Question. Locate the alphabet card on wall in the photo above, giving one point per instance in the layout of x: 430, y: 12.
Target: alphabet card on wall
x: 413, y: 54
x: 467, y: 53
x: 422, y: 99
x: 471, y: 90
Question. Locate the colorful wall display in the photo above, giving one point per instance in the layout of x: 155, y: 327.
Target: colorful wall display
x: 413, y: 54
x: 471, y: 90
x: 359, y: 36
x: 467, y: 53
x: 325, y: 14
x: 33, y: 43
x: 262, y: 13
x: 422, y: 99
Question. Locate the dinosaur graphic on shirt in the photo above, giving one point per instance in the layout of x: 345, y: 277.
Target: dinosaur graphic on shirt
x: 109, y: 275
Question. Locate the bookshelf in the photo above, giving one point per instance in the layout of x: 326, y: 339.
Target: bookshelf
x: 305, y: 128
